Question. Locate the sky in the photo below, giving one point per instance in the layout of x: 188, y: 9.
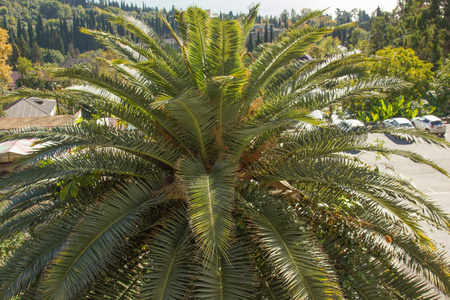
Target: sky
x: 275, y: 7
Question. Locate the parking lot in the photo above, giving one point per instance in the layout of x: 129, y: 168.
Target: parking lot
x: 429, y: 181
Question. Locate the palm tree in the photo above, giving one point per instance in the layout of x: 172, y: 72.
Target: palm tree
x: 211, y: 196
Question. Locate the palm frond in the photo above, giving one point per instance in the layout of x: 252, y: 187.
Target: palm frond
x: 228, y: 278
x: 196, y: 42
x: 247, y: 24
x: 11, y: 207
x: 81, y: 162
x: 166, y: 53
x: 58, y: 140
x: 193, y: 114
x: 127, y: 91
x: 309, y: 16
x: 223, y: 49
x: 291, y: 251
x: 27, y: 209
x: 387, y: 193
x: 119, y: 45
x: 275, y: 56
x: 407, y: 256
x: 26, y: 264
x: 171, y: 250
x: 96, y: 240
x: 210, y: 202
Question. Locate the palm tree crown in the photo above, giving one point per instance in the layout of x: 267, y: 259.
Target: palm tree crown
x: 210, y: 197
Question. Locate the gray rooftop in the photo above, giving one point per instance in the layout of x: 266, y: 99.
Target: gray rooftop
x: 30, y: 107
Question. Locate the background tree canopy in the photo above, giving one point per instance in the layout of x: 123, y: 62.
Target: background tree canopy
x: 54, y: 10
x: 404, y: 64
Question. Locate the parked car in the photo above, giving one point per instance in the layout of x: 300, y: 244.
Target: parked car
x: 302, y: 126
x: 354, y: 125
x: 318, y: 115
x: 351, y: 124
x: 400, y: 123
x: 431, y: 124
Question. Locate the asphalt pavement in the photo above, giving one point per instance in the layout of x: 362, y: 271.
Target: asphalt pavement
x: 426, y: 179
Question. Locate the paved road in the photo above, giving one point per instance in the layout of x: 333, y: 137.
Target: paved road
x: 426, y: 179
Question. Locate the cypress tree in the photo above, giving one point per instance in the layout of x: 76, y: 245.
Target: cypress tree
x: 19, y: 29
x: 25, y: 35
x: 47, y: 37
x: 64, y: 32
x: 74, y: 31
x: 36, y: 53
x: 4, y: 23
x: 266, y: 34
x: 59, y: 44
x: 31, y: 38
x: 40, y: 32
x: 24, y: 48
x: 15, y: 54
x: 250, y: 43
x: 258, y: 40
x: 271, y: 33
x: 11, y: 34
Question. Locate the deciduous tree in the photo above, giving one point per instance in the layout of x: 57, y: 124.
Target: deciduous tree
x: 5, y: 50
x: 403, y: 63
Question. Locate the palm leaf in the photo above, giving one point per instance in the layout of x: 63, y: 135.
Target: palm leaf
x: 120, y: 45
x: 98, y: 237
x: 166, y: 53
x: 171, y: 251
x: 275, y: 56
x: 228, y: 278
x: 248, y: 23
x: 193, y: 114
x: 24, y: 267
x: 210, y: 202
x: 295, y: 258
x: 223, y: 48
x: 196, y: 42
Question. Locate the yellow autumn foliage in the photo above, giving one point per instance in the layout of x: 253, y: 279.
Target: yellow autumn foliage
x: 5, y: 50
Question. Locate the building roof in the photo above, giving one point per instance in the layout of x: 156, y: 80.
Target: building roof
x: 30, y: 107
x: 44, y: 121
x: 21, y: 147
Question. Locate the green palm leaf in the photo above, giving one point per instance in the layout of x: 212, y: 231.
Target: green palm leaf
x: 196, y: 43
x: 228, y: 278
x: 171, y: 250
x: 210, y: 201
x: 248, y: 23
x: 300, y: 265
x: 275, y: 56
x: 100, y: 232
x: 26, y: 265
x: 194, y: 116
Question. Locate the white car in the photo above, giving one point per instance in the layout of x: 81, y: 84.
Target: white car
x: 354, y: 125
x: 431, y: 124
x: 318, y: 115
x: 351, y: 124
x: 399, y: 123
